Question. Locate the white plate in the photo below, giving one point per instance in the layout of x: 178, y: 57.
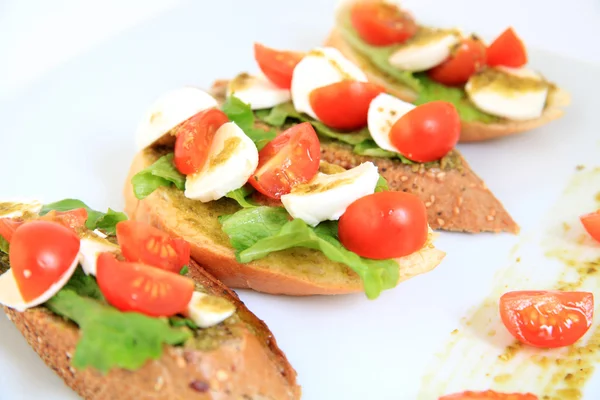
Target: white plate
x: 71, y: 135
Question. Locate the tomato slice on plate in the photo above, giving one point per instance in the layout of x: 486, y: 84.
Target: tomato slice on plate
x: 141, y: 288
x: 382, y: 24
x: 290, y: 159
x: 547, y: 319
x: 428, y: 132
x: 507, y: 50
x: 278, y: 66
x: 194, y: 138
x: 466, y: 59
x: 384, y: 225
x: 143, y: 243
x: 591, y: 223
x: 40, y: 253
x: 489, y: 395
x: 344, y: 105
x: 73, y: 219
x: 8, y: 226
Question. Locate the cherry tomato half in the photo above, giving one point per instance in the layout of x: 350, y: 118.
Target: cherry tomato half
x: 547, y: 318
x: 466, y: 59
x: 8, y: 226
x: 290, y: 159
x: 427, y: 132
x: 141, y: 288
x: 507, y: 50
x: 277, y: 65
x: 72, y: 219
x: 591, y: 223
x: 382, y: 24
x: 141, y: 242
x: 344, y: 105
x: 194, y: 138
x: 384, y: 225
x: 40, y: 253
x: 489, y: 395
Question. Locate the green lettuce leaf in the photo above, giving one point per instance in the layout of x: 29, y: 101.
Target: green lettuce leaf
x: 369, y: 148
x: 96, y: 220
x: 161, y: 173
x: 84, y: 285
x: 240, y: 195
x: 178, y: 322
x: 382, y: 185
x: 4, y: 245
x: 257, y: 232
x: 184, y: 270
x: 113, y: 339
x: 241, y: 113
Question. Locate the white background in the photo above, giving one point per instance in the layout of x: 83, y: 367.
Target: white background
x: 76, y: 76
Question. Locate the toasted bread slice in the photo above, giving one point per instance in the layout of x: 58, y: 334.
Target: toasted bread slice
x: 455, y: 197
x: 246, y: 364
x: 297, y: 271
x: 470, y: 131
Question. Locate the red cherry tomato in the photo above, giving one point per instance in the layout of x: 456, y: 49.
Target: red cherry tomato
x: 277, y: 65
x: 141, y: 288
x: 427, y: 132
x: 382, y: 24
x: 290, y: 159
x: 143, y: 243
x: 72, y: 219
x: 41, y: 252
x: 194, y: 138
x: 344, y: 105
x: 8, y: 226
x: 466, y: 59
x: 384, y: 225
x: 547, y: 318
x: 507, y: 50
x: 591, y: 223
x: 489, y: 395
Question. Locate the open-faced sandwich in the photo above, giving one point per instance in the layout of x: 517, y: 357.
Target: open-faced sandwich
x: 260, y: 209
x: 494, y: 93
x: 106, y: 304
x: 358, y: 122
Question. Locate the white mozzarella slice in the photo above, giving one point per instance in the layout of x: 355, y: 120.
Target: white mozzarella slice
x: 232, y: 159
x: 11, y: 297
x: 428, y: 48
x: 384, y: 111
x: 326, y: 197
x: 321, y: 67
x: 206, y: 310
x: 89, y: 250
x: 516, y: 94
x: 257, y: 91
x: 15, y: 208
x: 170, y: 110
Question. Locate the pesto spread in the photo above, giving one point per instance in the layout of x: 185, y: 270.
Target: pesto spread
x: 320, y: 186
x: 334, y: 64
x: 228, y: 148
x: 502, y: 81
x: 241, y: 82
x: 425, y: 35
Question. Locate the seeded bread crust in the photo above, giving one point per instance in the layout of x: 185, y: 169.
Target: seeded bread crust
x: 249, y: 366
x: 456, y: 198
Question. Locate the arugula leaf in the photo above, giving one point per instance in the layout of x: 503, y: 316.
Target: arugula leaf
x: 241, y: 113
x: 240, y: 195
x: 257, y: 232
x: 382, y: 185
x: 4, y: 245
x: 96, y: 220
x: 161, y: 173
x: 370, y: 148
x: 113, y: 339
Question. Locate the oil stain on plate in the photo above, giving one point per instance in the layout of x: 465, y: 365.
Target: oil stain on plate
x: 481, y: 354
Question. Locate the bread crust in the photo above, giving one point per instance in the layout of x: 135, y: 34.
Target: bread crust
x: 161, y: 210
x: 248, y: 366
x: 474, y: 131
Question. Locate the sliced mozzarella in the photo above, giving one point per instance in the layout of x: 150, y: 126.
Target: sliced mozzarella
x: 257, y: 91
x: 170, y: 110
x: 232, y: 159
x: 15, y: 208
x: 516, y: 94
x: 206, y: 310
x: 320, y: 67
x: 326, y: 197
x: 428, y: 48
x: 10, y: 296
x: 384, y: 111
x: 89, y: 250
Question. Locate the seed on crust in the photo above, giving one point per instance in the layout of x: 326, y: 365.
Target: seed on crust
x: 222, y: 375
x: 441, y: 222
x: 404, y: 178
x: 160, y: 382
x: 490, y: 217
x: 199, y: 386
x: 456, y: 210
x: 440, y: 176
